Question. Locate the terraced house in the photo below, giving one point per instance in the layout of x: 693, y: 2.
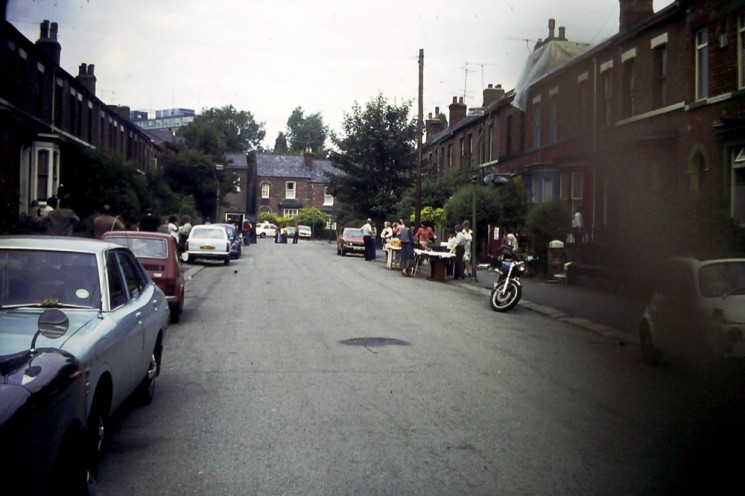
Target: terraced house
x: 659, y: 107
x: 44, y: 111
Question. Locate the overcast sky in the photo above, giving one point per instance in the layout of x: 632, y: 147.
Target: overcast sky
x: 271, y: 56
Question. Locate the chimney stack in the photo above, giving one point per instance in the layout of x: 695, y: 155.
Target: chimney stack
x: 47, y: 41
x: 87, y: 78
x: 492, y: 94
x: 633, y: 12
x: 562, y: 33
x: 551, y: 29
x: 433, y: 125
x: 457, y: 111
x: 308, y: 158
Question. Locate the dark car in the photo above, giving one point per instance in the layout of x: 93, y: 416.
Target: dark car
x: 158, y: 254
x: 350, y: 241
x: 235, y: 240
x: 42, y: 417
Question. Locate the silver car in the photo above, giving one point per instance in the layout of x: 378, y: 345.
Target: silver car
x: 697, y: 312
x: 114, y: 315
x: 207, y: 241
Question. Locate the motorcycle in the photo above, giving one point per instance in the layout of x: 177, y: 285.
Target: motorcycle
x: 507, y: 290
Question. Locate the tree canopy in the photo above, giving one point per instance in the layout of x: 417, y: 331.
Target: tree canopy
x: 375, y: 157
x: 306, y: 132
x: 224, y: 130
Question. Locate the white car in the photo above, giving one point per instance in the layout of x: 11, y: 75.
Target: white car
x: 305, y: 232
x: 266, y: 229
x: 208, y: 242
x: 697, y: 312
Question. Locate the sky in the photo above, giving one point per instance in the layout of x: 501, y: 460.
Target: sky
x: 269, y: 57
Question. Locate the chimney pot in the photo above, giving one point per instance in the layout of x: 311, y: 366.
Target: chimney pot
x: 83, y: 70
x: 53, y: 32
x: 437, y: 111
x: 44, y: 30
x: 90, y: 69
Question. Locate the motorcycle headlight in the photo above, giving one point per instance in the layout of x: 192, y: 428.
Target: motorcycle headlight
x: 522, y: 268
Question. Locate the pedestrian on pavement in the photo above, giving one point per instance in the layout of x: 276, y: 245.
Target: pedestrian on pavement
x: 183, y: 232
x: 295, y: 235
x: 367, y: 239
x: 577, y: 224
x: 511, y: 240
x: 51, y: 205
x: 149, y: 222
x: 407, y: 249
x: 62, y: 220
x: 468, y: 235
x: 105, y: 222
x: 173, y: 227
x: 374, y: 242
x: 459, y: 249
x: 451, y: 249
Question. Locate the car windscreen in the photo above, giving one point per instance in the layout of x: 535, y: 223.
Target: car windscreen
x: 720, y: 279
x: 352, y: 233
x: 49, y: 278
x: 142, y: 247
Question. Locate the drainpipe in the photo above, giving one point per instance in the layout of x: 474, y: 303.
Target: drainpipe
x: 594, y: 145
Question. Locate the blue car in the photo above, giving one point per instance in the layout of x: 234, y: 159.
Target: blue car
x: 115, y: 317
x: 235, y: 240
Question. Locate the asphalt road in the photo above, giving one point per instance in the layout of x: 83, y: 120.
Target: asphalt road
x: 295, y: 371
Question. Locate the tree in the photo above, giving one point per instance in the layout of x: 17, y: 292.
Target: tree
x: 224, y: 130
x: 192, y: 173
x: 280, y: 144
x: 488, y: 208
x: 312, y: 217
x: 375, y: 158
x: 436, y: 191
x: 546, y: 222
x: 306, y: 132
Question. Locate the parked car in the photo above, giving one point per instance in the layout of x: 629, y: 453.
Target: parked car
x: 42, y: 416
x: 305, y: 232
x: 350, y: 241
x: 158, y: 254
x: 114, y: 317
x: 266, y: 229
x: 235, y: 240
x: 209, y: 242
x: 697, y: 312
x: 291, y: 232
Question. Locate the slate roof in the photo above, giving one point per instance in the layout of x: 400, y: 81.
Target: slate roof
x: 284, y: 166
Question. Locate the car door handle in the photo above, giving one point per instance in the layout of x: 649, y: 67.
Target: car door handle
x: 138, y: 315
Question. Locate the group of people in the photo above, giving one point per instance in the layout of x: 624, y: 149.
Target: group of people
x: 423, y: 237
x: 282, y: 233
x: 55, y: 218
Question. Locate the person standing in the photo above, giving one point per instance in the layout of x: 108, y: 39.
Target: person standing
x: 407, y: 248
x: 459, y: 249
x: 577, y: 224
x: 105, y: 222
x: 387, y: 233
x: 468, y: 235
x: 149, y: 222
x: 295, y: 235
x: 425, y: 235
x: 511, y: 240
x: 51, y: 205
x: 173, y: 227
x: 367, y: 239
x: 183, y: 232
x: 61, y: 221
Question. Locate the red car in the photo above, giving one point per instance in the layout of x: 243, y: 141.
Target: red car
x: 158, y: 254
x: 350, y: 241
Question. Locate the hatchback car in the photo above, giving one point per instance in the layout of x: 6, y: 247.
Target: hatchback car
x: 209, y: 242
x: 235, y: 240
x: 266, y: 229
x: 350, y: 241
x: 158, y: 254
x: 305, y: 232
x: 697, y: 312
x: 113, y: 315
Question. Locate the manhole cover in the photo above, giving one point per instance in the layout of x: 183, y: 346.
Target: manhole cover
x: 370, y: 342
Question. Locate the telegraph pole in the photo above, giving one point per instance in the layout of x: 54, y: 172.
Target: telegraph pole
x: 418, y: 206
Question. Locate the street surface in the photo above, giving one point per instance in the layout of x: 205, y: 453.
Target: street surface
x: 296, y: 371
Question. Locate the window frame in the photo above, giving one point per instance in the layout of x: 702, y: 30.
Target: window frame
x: 266, y: 190
x: 701, y: 54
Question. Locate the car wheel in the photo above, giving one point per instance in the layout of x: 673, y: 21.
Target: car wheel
x: 262, y: 235
x: 97, y: 422
x: 650, y: 354
x: 72, y: 472
x: 146, y: 389
x: 226, y: 260
x: 176, y: 312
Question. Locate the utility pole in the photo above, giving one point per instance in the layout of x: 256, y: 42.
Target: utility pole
x: 419, y: 127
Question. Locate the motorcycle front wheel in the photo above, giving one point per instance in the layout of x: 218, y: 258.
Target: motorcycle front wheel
x: 502, y: 299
